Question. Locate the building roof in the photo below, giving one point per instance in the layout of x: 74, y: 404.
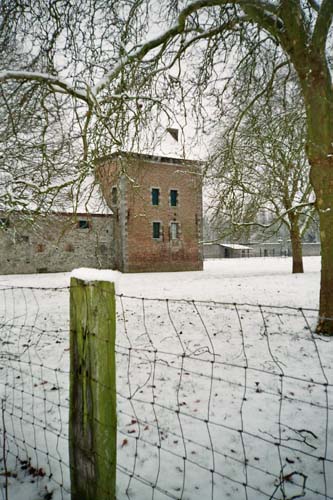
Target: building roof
x: 233, y: 246
x: 151, y: 158
x: 86, y: 198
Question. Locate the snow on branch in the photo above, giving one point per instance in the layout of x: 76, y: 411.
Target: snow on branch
x: 178, y: 28
x: 53, y: 81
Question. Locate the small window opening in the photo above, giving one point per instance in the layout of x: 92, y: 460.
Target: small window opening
x: 69, y: 247
x: 40, y: 247
x: 173, y: 197
x: 4, y: 223
x: 174, y: 231
x: 83, y: 224
x: 155, y: 196
x: 156, y: 230
x: 114, y: 196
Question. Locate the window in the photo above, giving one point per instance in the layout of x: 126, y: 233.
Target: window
x: 83, y: 224
x: 40, y: 247
x: 156, y: 230
x: 69, y: 247
x: 155, y: 196
x: 114, y: 196
x: 4, y: 223
x: 174, y: 231
x: 173, y: 197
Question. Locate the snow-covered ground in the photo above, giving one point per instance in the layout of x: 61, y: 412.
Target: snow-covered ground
x: 215, y: 400
x: 254, y: 280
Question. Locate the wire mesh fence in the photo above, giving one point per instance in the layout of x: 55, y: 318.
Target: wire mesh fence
x: 214, y: 400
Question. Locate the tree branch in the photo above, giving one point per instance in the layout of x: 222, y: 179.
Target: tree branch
x: 55, y: 83
x: 280, y: 217
x: 314, y: 5
x: 178, y: 28
x: 322, y: 26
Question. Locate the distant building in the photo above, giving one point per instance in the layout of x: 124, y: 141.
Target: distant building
x: 157, y: 206
x: 256, y: 249
x: 226, y: 251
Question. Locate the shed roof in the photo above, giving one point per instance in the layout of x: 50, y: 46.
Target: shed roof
x: 235, y: 246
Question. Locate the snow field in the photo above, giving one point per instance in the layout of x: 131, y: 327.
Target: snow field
x: 214, y: 400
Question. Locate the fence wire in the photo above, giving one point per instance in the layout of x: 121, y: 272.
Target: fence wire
x: 214, y: 400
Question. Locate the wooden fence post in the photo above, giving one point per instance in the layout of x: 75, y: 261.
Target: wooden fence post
x: 92, y: 414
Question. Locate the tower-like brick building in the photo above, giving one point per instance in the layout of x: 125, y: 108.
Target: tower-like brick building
x: 157, y: 206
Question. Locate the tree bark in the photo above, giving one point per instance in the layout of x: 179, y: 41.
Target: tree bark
x: 322, y: 180
x: 318, y: 97
x: 296, y: 244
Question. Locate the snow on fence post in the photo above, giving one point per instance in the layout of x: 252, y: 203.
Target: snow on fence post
x: 92, y: 414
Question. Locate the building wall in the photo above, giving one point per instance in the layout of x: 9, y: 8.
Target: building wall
x: 55, y: 243
x: 137, y: 250
x: 261, y: 249
x: 219, y: 251
x: 267, y: 249
x: 310, y: 249
x: 213, y: 251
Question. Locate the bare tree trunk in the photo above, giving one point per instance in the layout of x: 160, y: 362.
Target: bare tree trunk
x: 325, y: 324
x: 318, y: 97
x: 296, y: 246
x: 322, y: 179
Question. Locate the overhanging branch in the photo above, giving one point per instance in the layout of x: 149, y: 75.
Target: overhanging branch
x: 57, y: 84
x: 280, y: 217
x: 264, y: 6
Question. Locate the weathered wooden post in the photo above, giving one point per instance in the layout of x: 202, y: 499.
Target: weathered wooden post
x: 92, y: 414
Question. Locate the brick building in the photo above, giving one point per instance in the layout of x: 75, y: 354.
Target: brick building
x: 157, y: 206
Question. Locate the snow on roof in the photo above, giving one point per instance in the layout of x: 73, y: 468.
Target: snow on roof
x: 84, y: 198
x: 152, y: 158
x: 90, y: 199
x: 235, y: 246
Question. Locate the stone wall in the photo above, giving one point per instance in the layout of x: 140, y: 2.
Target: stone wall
x: 311, y: 249
x: 55, y: 242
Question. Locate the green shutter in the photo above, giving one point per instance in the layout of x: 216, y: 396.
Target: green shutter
x: 155, y: 196
x: 173, y: 197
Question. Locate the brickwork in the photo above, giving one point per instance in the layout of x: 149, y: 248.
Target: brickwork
x: 140, y: 236
x: 137, y: 249
x: 55, y: 243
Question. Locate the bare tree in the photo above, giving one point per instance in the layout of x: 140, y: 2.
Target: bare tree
x: 259, y: 164
x: 91, y: 51
x: 60, y: 107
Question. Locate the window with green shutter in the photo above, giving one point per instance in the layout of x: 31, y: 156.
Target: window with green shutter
x: 156, y: 230
x: 155, y: 196
x: 173, y: 197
